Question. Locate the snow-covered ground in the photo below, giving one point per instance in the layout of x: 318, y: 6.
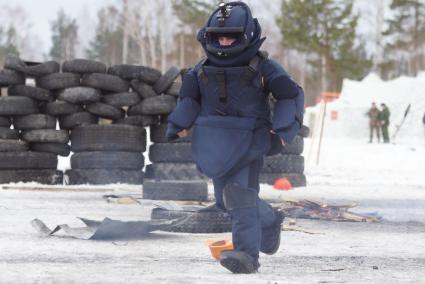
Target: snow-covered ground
x: 384, y: 178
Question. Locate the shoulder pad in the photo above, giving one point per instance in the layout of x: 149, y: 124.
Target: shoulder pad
x: 201, y: 62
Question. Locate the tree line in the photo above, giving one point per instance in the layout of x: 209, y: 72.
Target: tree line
x: 320, y: 41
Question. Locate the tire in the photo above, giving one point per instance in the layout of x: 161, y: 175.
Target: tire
x: 27, y: 160
x: 304, y: 131
x: 83, y: 66
x: 138, y: 120
x: 59, y: 108
x: 130, y: 72
x: 7, y: 133
x: 79, y: 95
x: 49, y: 176
x: 295, y: 148
x: 175, y: 190
x: 60, y: 149
x: 34, y: 121
x: 11, y: 77
x: 5, y: 122
x: 283, y: 164
x: 121, y: 99
x: 35, y: 93
x: 201, y: 222
x: 105, y: 111
x: 173, y: 171
x: 171, y: 153
x: 46, y: 136
x: 165, y: 81
x: 97, y: 176
x: 73, y: 120
x: 163, y: 104
x: 58, y: 81
x: 107, y: 160
x: 31, y: 69
x: 174, y: 89
x: 12, y: 106
x: 105, y: 82
x: 143, y: 89
x: 296, y: 180
x: 112, y: 137
x: 158, y: 134
x: 13, y: 145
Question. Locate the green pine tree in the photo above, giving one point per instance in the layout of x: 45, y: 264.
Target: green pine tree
x: 8, y: 43
x: 107, y: 44
x: 405, y: 38
x: 192, y: 15
x: 325, y: 30
x: 64, y: 37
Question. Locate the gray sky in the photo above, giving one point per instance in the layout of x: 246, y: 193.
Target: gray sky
x: 42, y: 12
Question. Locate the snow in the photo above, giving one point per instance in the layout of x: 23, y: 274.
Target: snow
x: 383, y: 178
x: 357, y: 96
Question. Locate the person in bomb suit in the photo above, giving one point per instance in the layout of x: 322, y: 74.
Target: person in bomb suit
x: 225, y: 98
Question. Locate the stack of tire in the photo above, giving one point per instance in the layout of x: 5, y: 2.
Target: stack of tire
x: 28, y: 150
x: 157, y: 93
x: 289, y: 163
x: 173, y: 174
x: 105, y: 154
x: 126, y: 99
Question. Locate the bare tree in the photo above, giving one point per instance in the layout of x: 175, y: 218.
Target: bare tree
x: 379, y: 45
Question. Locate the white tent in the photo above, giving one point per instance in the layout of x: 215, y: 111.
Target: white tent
x: 357, y: 96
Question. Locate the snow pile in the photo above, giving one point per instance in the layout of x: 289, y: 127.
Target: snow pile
x: 357, y: 96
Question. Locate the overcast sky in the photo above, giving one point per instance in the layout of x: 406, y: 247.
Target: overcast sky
x: 42, y: 12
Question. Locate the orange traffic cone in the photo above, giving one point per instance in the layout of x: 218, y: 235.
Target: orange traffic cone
x: 282, y: 184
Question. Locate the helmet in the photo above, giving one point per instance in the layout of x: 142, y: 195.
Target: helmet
x: 233, y: 19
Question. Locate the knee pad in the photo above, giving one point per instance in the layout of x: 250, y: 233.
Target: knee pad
x: 236, y: 197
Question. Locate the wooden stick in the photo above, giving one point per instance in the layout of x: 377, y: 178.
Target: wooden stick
x: 321, y: 134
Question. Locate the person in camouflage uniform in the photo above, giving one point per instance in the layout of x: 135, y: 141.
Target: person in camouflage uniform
x: 374, y: 122
x: 384, y: 118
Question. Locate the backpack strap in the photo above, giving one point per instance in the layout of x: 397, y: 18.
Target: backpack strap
x: 253, y: 67
x: 200, y: 73
x: 221, y: 84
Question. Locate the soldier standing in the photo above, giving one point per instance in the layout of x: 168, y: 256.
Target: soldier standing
x: 373, y: 114
x: 384, y: 118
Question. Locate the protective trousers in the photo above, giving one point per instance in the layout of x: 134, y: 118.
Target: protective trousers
x: 237, y: 192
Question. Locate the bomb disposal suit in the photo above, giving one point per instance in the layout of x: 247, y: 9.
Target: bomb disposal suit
x: 224, y: 98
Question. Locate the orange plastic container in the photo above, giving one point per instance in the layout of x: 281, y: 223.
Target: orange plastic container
x: 216, y: 247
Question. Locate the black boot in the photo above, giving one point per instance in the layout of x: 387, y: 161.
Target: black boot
x: 270, y: 238
x: 239, y: 262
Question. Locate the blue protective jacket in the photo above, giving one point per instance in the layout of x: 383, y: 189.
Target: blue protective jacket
x: 237, y: 128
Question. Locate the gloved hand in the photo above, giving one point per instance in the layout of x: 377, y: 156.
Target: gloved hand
x: 283, y: 142
x: 183, y: 133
